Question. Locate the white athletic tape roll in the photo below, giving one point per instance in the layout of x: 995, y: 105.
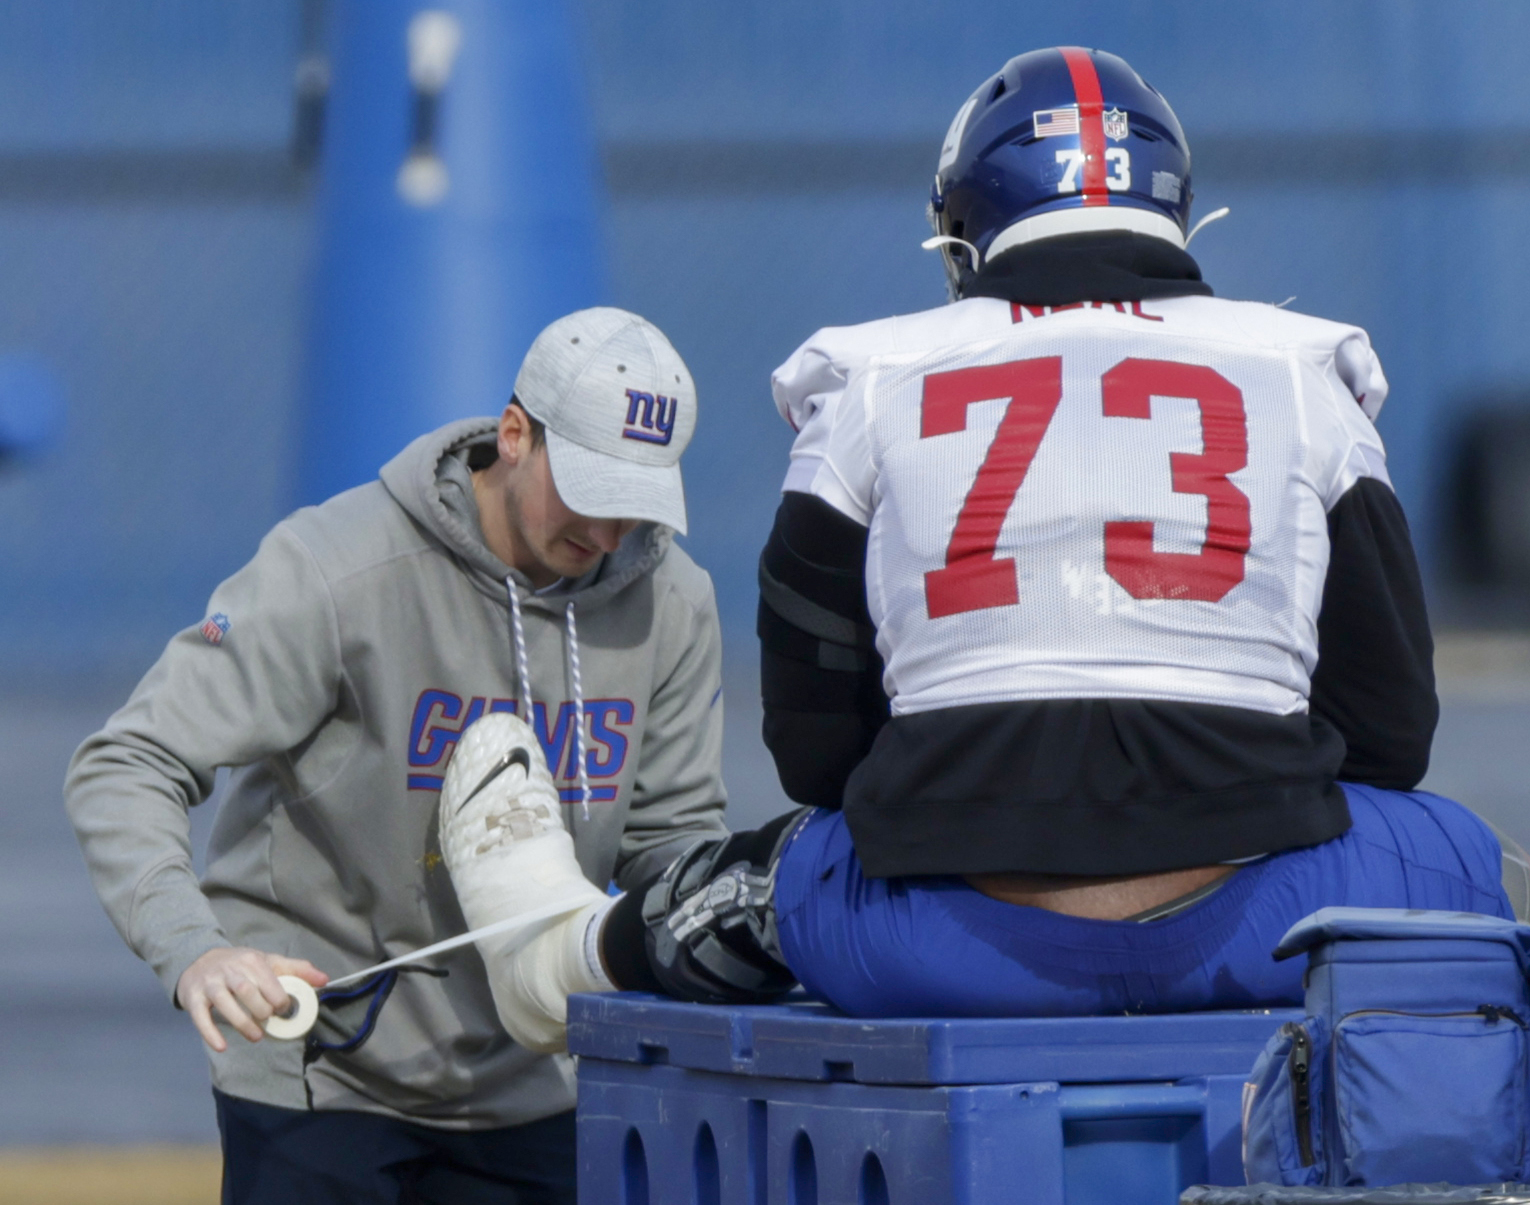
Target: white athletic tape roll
x: 305, y: 1011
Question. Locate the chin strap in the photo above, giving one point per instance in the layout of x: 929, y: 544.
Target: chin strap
x: 956, y: 276
x: 1216, y: 215
x: 946, y: 240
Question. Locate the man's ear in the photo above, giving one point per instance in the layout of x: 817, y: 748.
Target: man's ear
x: 514, y: 435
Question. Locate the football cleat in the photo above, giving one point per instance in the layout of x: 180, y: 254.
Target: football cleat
x: 504, y: 843
x: 497, y: 790
x: 501, y: 827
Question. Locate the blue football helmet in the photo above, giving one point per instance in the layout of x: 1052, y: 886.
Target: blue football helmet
x: 1061, y: 141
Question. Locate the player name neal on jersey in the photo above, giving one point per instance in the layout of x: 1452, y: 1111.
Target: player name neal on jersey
x: 1052, y: 122
x: 1022, y: 313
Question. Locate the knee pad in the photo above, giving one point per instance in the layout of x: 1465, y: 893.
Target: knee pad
x: 709, y: 921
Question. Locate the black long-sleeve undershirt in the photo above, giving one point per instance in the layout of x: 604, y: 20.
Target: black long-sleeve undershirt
x: 820, y: 673
x: 1374, y: 679
x: 824, y: 710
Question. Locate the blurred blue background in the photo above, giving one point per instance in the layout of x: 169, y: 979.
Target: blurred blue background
x: 760, y: 169
x: 765, y: 167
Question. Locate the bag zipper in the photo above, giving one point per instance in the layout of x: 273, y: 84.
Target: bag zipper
x: 1300, y: 1063
x: 1492, y: 1013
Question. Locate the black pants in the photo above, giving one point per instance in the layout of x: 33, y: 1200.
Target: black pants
x: 274, y: 1156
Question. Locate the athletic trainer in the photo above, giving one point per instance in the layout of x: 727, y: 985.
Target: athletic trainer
x: 514, y: 565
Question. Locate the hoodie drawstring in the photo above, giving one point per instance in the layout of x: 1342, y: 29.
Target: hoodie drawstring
x: 523, y: 676
x: 518, y: 636
x: 573, y: 668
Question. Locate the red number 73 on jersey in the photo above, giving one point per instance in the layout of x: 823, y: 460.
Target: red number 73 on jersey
x: 973, y: 578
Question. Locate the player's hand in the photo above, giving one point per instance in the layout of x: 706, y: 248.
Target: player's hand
x: 240, y: 983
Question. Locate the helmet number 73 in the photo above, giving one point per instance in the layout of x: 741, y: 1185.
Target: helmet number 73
x: 1117, y: 159
x: 973, y: 578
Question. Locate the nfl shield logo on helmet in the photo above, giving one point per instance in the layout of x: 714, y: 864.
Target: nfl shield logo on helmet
x: 1115, y: 124
x: 214, y: 628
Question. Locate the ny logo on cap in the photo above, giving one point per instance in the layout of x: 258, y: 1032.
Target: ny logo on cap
x: 656, y: 422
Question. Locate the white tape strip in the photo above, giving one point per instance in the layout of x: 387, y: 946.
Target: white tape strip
x: 525, y: 919
x: 306, y: 1001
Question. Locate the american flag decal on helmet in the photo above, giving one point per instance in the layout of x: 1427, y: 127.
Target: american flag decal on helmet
x: 1051, y: 122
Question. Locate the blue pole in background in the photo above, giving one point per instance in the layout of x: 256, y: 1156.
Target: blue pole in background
x: 457, y: 217
x: 31, y: 406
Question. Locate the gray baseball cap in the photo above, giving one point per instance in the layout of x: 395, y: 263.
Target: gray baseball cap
x: 619, y: 406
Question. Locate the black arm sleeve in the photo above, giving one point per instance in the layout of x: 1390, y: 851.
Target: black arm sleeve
x: 1375, y: 674
x: 820, y: 675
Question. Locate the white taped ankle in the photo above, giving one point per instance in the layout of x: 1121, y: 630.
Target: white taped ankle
x: 532, y: 984
x: 592, y: 960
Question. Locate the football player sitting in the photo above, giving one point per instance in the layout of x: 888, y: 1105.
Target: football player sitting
x: 1093, y: 638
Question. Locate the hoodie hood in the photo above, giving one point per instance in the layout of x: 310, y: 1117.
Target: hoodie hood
x: 432, y: 481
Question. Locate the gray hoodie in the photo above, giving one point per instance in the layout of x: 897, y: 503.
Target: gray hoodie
x: 335, y: 672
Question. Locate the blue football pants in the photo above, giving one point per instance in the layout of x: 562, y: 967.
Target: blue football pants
x: 938, y: 947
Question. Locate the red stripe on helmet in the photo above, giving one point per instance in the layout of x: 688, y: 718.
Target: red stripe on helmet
x: 1091, y: 125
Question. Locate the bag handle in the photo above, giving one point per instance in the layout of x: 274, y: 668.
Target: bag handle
x: 1371, y: 924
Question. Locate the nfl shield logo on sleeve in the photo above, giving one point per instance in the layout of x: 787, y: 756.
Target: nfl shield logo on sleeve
x: 1115, y: 124
x: 214, y: 628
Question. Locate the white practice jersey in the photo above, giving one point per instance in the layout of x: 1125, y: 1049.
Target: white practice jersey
x: 1090, y: 501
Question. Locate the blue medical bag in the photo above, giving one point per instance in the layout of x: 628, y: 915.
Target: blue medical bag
x: 1411, y: 1061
